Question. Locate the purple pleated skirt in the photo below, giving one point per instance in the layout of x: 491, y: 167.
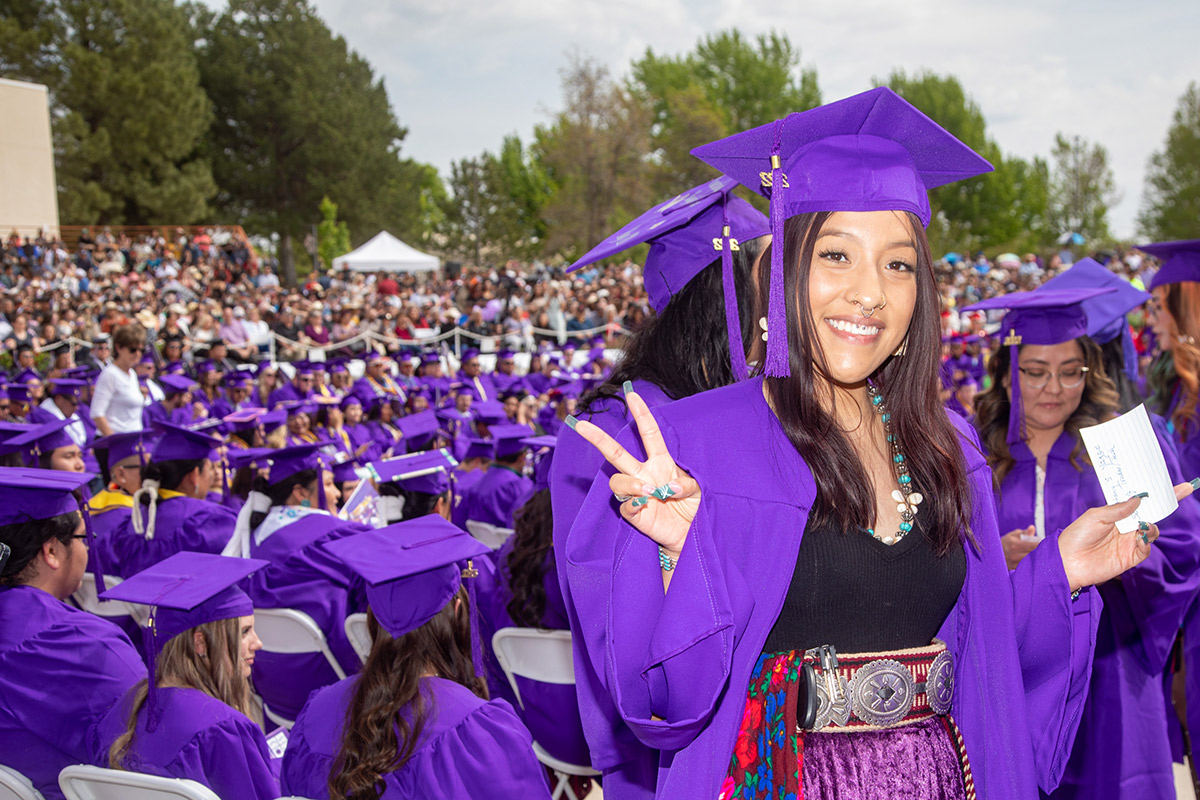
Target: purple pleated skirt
x: 922, y: 760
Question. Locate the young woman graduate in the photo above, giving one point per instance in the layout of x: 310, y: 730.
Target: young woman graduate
x: 63, y: 668
x: 776, y: 555
x: 287, y: 517
x: 680, y: 352
x: 1046, y: 385
x: 416, y: 722
x: 190, y: 719
x: 504, y: 488
x: 170, y: 513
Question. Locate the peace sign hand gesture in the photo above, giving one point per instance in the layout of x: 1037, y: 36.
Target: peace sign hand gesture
x: 659, y: 499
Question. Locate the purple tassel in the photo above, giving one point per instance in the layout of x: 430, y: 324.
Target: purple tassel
x: 97, y: 563
x: 777, y: 365
x: 1016, y: 417
x: 224, y: 480
x: 476, y: 641
x: 733, y: 322
x: 322, y: 503
x: 150, y: 643
x: 1130, y: 352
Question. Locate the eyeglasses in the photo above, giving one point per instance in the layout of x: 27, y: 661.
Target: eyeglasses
x: 1069, y: 378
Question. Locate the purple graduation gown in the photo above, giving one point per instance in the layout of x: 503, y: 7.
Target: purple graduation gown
x: 469, y: 748
x: 628, y: 765
x: 677, y: 665
x: 549, y: 711
x: 199, y: 738
x: 183, y: 523
x: 61, y: 670
x: 305, y: 577
x: 1122, y: 747
x: 496, y: 496
x: 481, y: 387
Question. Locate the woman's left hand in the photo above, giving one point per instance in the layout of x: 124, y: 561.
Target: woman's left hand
x: 1094, y: 551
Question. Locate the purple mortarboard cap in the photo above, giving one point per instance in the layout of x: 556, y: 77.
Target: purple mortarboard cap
x: 239, y: 378
x: 1038, y: 317
x: 185, y: 591
x: 1105, y: 313
x: 345, y: 471
x: 67, y: 387
x: 871, y: 152
x: 543, y: 457
x: 338, y: 366
x: 469, y: 353
x: 207, y: 366
x: 173, y: 368
x: 287, y: 461
x: 147, y: 358
x: 39, y: 439
x: 374, y: 355
x: 254, y: 457
x: 121, y: 446
x: 413, y: 570
x: 11, y: 429
x: 427, y: 472
x: 509, y: 439
x: 244, y: 418
x: 175, y: 384
x: 431, y: 358
x: 27, y: 376
x: 505, y: 355
x: 418, y: 428
x: 273, y: 418
x: 33, y: 494
x: 453, y: 415
x: 490, y: 411
x: 182, y: 444
x: 303, y: 369
x: 480, y: 448
x: 351, y: 400
x: 17, y: 392
x: 1180, y: 261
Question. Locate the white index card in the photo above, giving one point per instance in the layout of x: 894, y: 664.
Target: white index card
x: 1128, y: 460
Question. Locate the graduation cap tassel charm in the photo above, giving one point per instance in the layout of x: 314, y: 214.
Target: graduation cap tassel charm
x: 469, y: 574
x: 777, y: 344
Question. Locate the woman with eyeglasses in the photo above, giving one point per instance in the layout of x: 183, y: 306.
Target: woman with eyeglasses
x: 117, y: 402
x: 1048, y: 383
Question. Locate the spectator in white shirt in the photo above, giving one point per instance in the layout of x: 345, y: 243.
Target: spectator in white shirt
x: 117, y: 402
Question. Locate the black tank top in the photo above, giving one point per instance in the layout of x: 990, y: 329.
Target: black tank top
x: 863, y: 596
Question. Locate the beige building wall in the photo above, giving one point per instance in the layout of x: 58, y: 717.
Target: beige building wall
x: 28, y: 192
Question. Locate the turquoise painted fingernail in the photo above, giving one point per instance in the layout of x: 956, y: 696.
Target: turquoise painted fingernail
x: 638, y: 502
x: 1143, y: 526
x: 627, y: 387
x: 1195, y: 484
x: 571, y: 422
x: 663, y: 492
x: 1142, y: 494
x: 1145, y: 538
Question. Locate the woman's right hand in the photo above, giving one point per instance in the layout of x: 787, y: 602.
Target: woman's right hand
x: 667, y: 521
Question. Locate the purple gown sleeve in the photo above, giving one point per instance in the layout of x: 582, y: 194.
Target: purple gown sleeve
x: 233, y: 755
x: 1056, y: 640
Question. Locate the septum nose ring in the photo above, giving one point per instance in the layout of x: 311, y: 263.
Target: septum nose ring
x: 863, y: 309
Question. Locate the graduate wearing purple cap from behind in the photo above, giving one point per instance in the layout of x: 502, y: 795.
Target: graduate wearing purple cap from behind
x: 689, y: 603
x: 62, y: 668
x: 414, y: 485
x: 503, y: 488
x: 201, y: 624
x: 686, y: 274
x: 420, y: 620
x: 1122, y: 744
x: 286, y: 518
x: 170, y: 513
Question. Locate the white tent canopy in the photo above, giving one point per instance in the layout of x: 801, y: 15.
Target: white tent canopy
x: 386, y: 253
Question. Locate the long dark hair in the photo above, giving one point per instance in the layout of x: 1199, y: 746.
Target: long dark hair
x: 169, y: 474
x: 279, y: 492
x: 909, y: 383
x: 1112, y: 356
x: 685, y: 349
x: 526, y: 564
x: 1099, y: 402
x: 25, y: 540
x: 420, y: 504
x: 377, y: 738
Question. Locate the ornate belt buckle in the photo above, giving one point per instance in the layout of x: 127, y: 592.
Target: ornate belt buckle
x: 939, y: 686
x: 882, y: 692
x: 833, y: 691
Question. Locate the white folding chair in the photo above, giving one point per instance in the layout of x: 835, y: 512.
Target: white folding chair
x: 545, y: 657
x: 15, y: 786
x: 88, y: 599
x: 359, y: 635
x: 492, y: 535
x: 83, y: 782
x: 286, y: 630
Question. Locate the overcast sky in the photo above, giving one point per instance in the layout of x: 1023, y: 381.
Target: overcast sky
x: 463, y: 73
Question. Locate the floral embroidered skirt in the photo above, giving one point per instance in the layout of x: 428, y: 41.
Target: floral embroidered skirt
x: 772, y: 760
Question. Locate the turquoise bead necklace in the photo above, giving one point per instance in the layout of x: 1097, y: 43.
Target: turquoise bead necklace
x: 906, y: 499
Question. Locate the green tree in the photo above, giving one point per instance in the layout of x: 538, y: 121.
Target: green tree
x: 466, y: 219
x: 984, y: 211
x: 333, y: 235
x: 519, y: 189
x: 1082, y: 188
x: 595, y: 156
x: 1171, y: 196
x: 726, y: 84
x: 129, y: 113
x: 298, y: 116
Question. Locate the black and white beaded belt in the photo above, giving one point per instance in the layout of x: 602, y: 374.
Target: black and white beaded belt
x: 872, y: 691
